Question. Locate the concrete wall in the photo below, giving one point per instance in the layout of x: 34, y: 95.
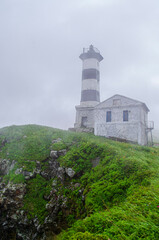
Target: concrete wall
x: 118, y: 130
x: 132, y: 130
x: 84, y: 112
x: 91, y: 63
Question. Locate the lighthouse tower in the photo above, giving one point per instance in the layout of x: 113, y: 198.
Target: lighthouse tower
x: 90, y: 91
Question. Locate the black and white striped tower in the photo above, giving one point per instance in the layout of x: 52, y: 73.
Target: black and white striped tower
x: 90, y: 93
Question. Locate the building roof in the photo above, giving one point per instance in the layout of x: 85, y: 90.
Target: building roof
x: 121, y: 101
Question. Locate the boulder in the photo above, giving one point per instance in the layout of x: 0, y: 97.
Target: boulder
x: 5, y: 166
x: 57, y: 140
x: 54, y: 154
x: 70, y: 172
x: 62, y: 152
x: 61, y: 173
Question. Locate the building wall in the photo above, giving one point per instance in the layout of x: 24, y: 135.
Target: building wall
x: 84, y: 112
x: 132, y: 130
x: 135, y: 129
x: 118, y: 130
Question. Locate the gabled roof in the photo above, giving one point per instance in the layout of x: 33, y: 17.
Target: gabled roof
x: 124, y: 101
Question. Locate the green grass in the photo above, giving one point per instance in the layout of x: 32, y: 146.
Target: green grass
x: 118, y: 199
x: 34, y: 202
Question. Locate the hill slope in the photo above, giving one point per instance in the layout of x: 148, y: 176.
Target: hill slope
x: 91, y: 186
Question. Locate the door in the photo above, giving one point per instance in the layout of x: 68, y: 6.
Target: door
x: 84, y: 122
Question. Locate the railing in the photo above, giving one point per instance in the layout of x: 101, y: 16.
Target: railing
x: 85, y: 50
x: 150, y: 125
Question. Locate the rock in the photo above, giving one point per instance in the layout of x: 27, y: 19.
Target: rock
x: 38, y: 165
x: 62, y: 152
x: 77, y: 185
x: 70, y: 172
x: 12, y: 165
x: 81, y: 190
x: 28, y: 175
x: 14, y: 223
x: 14, y: 216
x: 5, y: 166
x: 44, y: 174
x: 22, y: 212
x: 37, y: 170
x: 36, y: 222
x: 48, y: 220
x: 54, y: 154
x: 61, y: 169
x: 4, y: 142
x: 12, y: 195
x: 54, y: 183
x: 18, y: 171
x: 64, y: 203
x: 57, y: 140
x: 38, y: 228
x: 61, y: 173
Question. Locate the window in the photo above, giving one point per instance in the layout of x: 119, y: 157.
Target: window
x: 84, y: 122
x: 108, y: 116
x: 125, y: 116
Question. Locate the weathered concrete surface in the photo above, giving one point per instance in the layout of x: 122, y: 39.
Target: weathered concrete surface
x: 135, y: 129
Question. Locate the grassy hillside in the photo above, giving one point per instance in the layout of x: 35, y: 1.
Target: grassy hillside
x: 117, y: 199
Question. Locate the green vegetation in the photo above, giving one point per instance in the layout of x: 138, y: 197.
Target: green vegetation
x: 34, y: 202
x: 117, y: 199
x: 80, y: 156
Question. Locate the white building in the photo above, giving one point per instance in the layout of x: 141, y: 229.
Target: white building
x: 118, y: 117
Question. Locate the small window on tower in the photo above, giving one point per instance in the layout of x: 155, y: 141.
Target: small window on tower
x: 125, y: 116
x: 108, y: 116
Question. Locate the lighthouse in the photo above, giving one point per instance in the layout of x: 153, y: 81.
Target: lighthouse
x: 118, y: 117
x: 90, y: 92
x: 90, y: 89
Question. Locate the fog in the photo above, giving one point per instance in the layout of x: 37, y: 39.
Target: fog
x: 40, y: 44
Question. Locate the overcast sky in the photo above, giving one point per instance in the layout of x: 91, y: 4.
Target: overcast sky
x: 40, y: 44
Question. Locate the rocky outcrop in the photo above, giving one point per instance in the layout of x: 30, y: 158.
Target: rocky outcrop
x: 6, y: 166
x: 12, y: 217
x: 14, y: 221
x: 54, y: 169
